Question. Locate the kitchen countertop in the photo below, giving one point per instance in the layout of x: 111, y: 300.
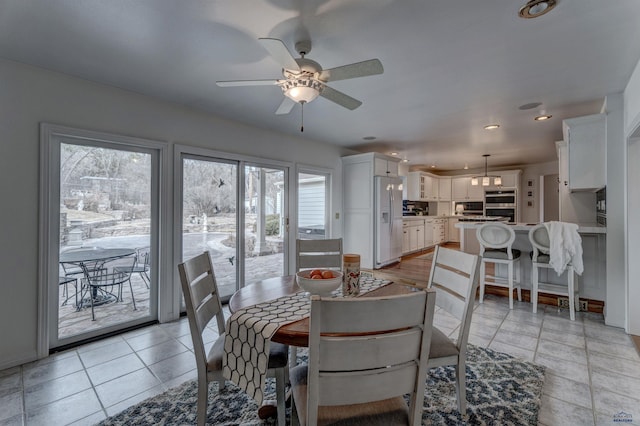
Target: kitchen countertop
x: 409, y: 218
x: 583, y: 228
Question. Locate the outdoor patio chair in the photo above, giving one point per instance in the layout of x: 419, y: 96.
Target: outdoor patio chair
x: 102, y: 283
x: 142, y: 265
x: 360, y: 370
x: 454, y: 277
x: 202, y: 300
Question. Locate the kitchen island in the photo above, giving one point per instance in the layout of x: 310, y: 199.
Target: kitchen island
x: 592, y: 283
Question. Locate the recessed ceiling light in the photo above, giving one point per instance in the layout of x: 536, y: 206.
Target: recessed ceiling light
x: 535, y: 8
x: 394, y: 153
x: 491, y: 126
x: 369, y: 138
x: 466, y: 166
x: 404, y: 160
x: 433, y: 166
x: 531, y: 105
x: 543, y: 117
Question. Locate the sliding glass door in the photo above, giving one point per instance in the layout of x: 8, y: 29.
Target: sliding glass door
x: 265, y: 222
x: 210, y: 216
x: 237, y: 211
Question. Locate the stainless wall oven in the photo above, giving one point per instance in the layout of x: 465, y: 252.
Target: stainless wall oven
x: 501, y: 203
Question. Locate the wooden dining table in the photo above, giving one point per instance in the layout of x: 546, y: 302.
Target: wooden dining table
x: 295, y: 333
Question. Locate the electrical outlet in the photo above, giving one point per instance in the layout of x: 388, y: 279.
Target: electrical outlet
x: 584, y: 305
x: 563, y: 302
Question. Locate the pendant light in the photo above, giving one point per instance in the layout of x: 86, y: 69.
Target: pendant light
x: 486, y: 179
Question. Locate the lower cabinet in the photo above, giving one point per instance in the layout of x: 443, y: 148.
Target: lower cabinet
x: 454, y: 233
x: 419, y: 234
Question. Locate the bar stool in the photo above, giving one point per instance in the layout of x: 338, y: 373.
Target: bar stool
x: 495, y: 240
x: 539, y: 238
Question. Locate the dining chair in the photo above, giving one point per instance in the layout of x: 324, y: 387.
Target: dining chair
x: 540, y: 258
x: 454, y: 277
x: 319, y: 254
x: 496, y: 240
x: 102, y: 279
x: 364, y: 355
x: 202, y: 300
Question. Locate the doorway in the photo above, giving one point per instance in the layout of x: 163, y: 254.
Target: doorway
x: 550, y: 205
x: 101, y: 228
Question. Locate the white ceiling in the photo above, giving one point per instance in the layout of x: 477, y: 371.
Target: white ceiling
x: 450, y: 66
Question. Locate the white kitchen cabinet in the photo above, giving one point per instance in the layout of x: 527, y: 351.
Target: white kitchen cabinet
x: 421, y: 187
x: 462, y: 190
x: 406, y: 244
x: 586, y: 139
x: 358, y: 202
x: 420, y: 237
x: 428, y: 232
x: 431, y: 188
x: 413, y: 235
x: 574, y: 207
x: 438, y: 231
x: 444, y: 189
x: 385, y: 166
x: 454, y: 233
x: 415, y: 186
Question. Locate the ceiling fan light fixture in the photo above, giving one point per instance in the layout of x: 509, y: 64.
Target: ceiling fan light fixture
x: 535, y: 8
x: 302, y: 89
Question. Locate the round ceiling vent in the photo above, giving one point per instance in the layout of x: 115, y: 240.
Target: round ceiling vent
x: 535, y: 8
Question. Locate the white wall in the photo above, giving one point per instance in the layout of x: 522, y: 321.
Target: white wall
x: 615, y: 306
x: 31, y: 95
x: 632, y: 197
x: 533, y: 172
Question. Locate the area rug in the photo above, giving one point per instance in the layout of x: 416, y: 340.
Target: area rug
x: 501, y: 390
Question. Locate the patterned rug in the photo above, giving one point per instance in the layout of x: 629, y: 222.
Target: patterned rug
x: 501, y: 390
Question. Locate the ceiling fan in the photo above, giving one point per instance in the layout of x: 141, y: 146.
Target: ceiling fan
x: 304, y: 80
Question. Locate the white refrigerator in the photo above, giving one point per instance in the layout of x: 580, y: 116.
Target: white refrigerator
x: 387, y: 220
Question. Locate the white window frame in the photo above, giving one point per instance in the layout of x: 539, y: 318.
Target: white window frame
x: 49, y: 213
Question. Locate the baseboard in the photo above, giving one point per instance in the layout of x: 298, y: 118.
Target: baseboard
x: 19, y: 360
x: 595, y: 306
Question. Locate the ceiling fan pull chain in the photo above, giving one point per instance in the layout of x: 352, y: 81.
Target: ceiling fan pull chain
x: 302, y: 116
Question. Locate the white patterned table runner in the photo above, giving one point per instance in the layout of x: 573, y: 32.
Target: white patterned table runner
x: 249, y: 333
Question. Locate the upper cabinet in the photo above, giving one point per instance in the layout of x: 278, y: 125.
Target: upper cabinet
x: 385, y: 166
x: 586, y: 139
x: 444, y: 189
x: 422, y: 187
x: 462, y: 190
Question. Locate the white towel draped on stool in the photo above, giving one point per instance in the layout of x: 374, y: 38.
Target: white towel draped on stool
x: 565, y: 246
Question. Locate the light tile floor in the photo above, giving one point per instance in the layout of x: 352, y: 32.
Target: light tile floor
x: 593, y: 371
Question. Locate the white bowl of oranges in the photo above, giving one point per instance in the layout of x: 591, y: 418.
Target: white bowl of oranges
x: 319, y: 281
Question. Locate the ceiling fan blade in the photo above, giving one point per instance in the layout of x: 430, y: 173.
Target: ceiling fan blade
x: 280, y: 53
x: 359, y: 69
x: 340, y: 98
x: 234, y: 83
x: 286, y: 106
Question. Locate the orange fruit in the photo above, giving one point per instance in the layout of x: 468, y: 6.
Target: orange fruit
x: 327, y: 274
x: 315, y: 272
x: 316, y: 277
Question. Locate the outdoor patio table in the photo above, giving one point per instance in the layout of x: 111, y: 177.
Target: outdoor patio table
x: 96, y: 257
